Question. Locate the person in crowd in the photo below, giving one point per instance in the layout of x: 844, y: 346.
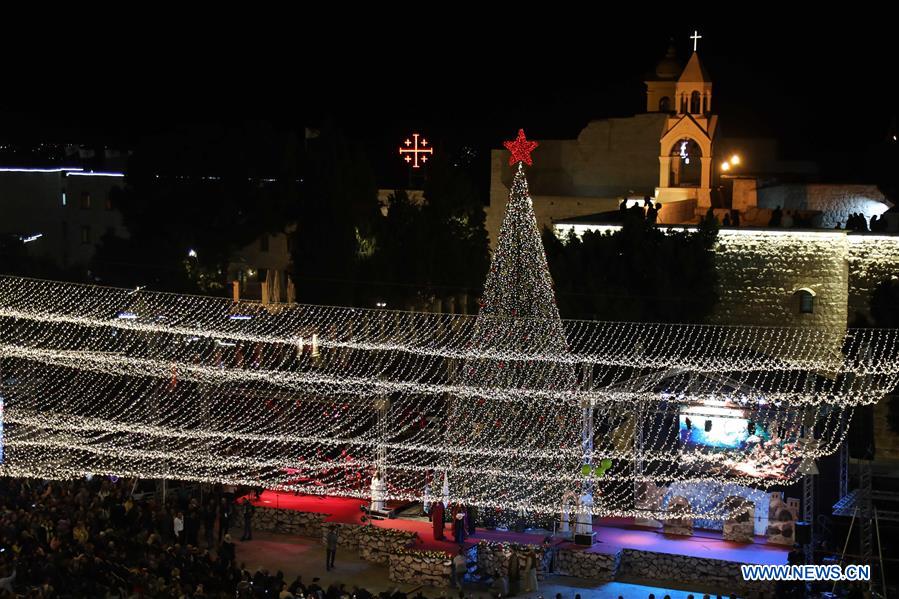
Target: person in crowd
x: 248, y: 509
x: 514, y: 574
x: 776, y: 216
x: 227, y: 550
x: 209, y: 517
x: 225, y: 516
x: 331, y: 548
x: 178, y: 527
x: 530, y: 572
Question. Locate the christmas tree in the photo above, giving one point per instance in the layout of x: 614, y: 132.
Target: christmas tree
x: 518, y: 430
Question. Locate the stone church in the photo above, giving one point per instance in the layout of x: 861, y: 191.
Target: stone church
x: 677, y: 153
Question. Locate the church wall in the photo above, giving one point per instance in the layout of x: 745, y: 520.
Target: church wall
x: 609, y: 159
x: 761, y: 270
x: 873, y: 259
x: 546, y: 208
x: 835, y: 202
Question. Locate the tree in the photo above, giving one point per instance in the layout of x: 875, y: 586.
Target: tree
x: 518, y: 315
x: 335, y: 228
x: 638, y: 273
x: 436, y: 248
x: 191, y: 199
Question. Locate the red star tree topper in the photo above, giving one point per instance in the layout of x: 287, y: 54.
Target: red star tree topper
x: 521, y: 149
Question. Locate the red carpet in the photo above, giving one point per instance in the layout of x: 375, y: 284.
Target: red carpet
x: 342, y: 509
x: 612, y: 533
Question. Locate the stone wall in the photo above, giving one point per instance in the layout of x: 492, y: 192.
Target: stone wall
x: 305, y: 524
x: 710, y: 573
x: 377, y: 544
x: 494, y: 558
x: 760, y: 272
x: 585, y: 564
x: 590, y: 174
x: 419, y: 567
x: 872, y: 258
x: 835, y: 202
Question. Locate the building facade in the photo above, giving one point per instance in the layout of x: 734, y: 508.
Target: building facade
x: 60, y: 213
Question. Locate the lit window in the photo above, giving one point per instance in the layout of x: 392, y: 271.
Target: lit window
x: 85, y: 234
x: 85, y: 200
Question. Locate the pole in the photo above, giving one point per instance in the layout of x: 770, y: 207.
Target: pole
x: 883, y: 576
x: 846, y: 545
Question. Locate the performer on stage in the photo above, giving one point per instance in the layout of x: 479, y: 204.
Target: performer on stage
x: 437, y: 520
x: 459, y: 524
x: 470, y: 516
x: 378, y: 492
x: 426, y: 500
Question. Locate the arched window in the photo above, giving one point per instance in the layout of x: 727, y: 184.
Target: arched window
x: 665, y: 104
x: 695, y: 103
x: 805, y: 301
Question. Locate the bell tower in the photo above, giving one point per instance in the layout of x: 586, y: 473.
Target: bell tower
x: 686, y: 156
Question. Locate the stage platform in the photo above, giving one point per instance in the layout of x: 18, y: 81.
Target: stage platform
x: 344, y: 510
x: 612, y: 534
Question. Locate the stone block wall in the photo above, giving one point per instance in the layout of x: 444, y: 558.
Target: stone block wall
x: 835, y: 202
x: 431, y: 568
x: 761, y: 270
x: 493, y: 558
x: 585, y: 564
x: 376, y: 545
x: 347, y: 534
x: 710, y: 573
x: 305, y: 524
x: 872, y: 258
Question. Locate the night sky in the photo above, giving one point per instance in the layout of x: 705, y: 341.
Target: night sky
x: 827, y: 92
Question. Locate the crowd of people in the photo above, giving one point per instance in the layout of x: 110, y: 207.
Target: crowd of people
x: 858, y: 222
x: 92, y: 538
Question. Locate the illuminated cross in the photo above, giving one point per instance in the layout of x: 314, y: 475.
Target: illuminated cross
x: 413, y: 149
x: 695, y: 37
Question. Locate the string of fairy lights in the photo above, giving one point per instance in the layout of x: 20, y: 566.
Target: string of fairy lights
x: 509, y: 406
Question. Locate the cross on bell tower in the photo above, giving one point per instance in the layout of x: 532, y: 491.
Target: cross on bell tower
x: 695, y: 37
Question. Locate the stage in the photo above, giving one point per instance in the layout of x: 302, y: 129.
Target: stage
x: 344, y: 510
x: 612, y: 535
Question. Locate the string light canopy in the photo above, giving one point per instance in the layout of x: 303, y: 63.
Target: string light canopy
x: 514, y: 408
